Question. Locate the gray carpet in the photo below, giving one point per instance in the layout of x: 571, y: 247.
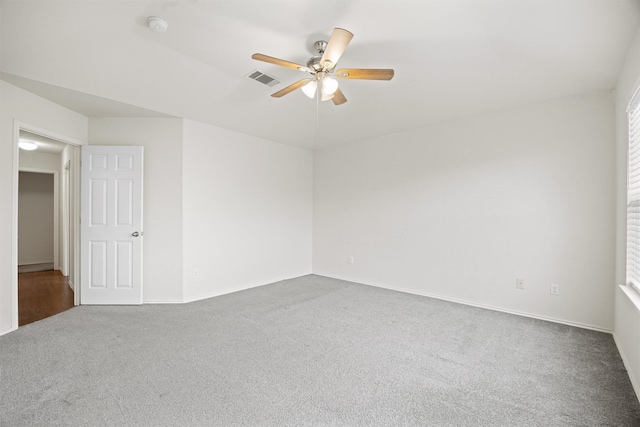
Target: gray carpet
x: 310, y: 351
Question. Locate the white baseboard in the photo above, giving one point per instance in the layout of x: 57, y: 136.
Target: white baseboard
x: 472, y: 304
x: 625, y: 361
x: 36, y: 266
x: 6, y: 332
x: 238, y: 289
x: 162, y: 302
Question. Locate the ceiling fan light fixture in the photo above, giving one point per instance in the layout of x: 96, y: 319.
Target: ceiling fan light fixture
x: 329, y: 85
x: 326, y: 96
x: 27, y: 145
x: 310, y: 88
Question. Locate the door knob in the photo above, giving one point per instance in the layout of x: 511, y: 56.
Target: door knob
x: 135, y: 234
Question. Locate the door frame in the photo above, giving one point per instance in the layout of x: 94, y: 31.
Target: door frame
x: 65, y: 265
x: 75, y: 209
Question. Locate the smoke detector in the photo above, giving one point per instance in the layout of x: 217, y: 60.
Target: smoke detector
x: 157, y: 24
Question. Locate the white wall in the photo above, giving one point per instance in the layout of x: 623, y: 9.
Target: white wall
x: 35, y: 218
x: 247, y: 211
x: 461, y: 209
x: 162, y: 212
x: 39, y: 160
x: 627, y: 313
x: 21, y: 106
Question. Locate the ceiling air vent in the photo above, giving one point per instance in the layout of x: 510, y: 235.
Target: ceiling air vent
x: 263, y: 78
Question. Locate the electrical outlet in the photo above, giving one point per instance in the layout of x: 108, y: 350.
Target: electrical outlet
x: 196, y: 273
x: 519, y: 283
x: 351, y: 260
x: 555, y: 289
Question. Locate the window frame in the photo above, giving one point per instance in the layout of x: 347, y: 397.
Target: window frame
x: 632, y: 231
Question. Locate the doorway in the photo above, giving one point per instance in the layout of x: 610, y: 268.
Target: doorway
x: 46, y: 216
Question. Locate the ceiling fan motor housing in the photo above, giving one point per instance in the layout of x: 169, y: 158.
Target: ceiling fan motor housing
x: 314, y: 63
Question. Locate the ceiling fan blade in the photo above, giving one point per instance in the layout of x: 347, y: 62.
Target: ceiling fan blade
x: 281, y: 62
x: 338, y: 97
x: 365, y: 74
x: 338, y: 42
x: 291, y: 88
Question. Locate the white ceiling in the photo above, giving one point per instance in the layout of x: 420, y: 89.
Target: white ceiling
x: 45, y: 145
x: 89, y: 105
x: 452, y: 58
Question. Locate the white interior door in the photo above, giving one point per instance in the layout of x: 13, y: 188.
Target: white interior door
x: 111, y: 225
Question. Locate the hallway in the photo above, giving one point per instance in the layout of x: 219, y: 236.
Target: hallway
x: 42, y: 294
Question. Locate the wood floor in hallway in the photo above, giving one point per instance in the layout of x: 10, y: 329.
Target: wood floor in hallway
x: 41, y: 295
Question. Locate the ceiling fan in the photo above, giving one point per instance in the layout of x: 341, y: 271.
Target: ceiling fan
x: 322, y: 67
